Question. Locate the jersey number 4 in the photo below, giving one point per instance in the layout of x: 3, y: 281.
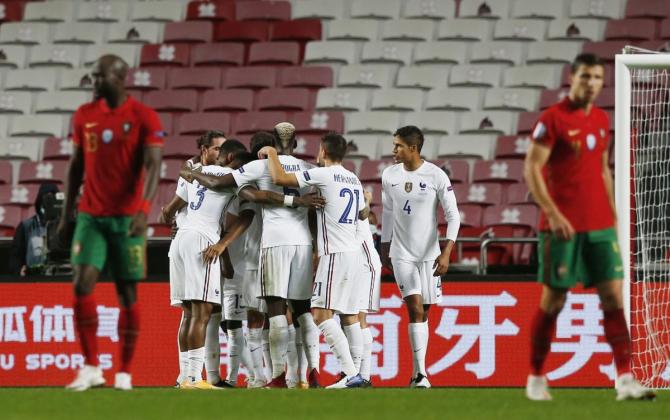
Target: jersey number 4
x: 407, y: 207
x: 345, y: 215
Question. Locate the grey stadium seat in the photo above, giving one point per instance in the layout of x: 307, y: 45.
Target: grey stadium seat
x: 353, y: 30
x: 397, y: 100
x: 366, y: 76
x: 441, y: 52
x: 340, y: 99
x: 454, y: 99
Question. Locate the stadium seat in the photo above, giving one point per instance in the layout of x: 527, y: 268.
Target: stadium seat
x: 50, y: 11
x: 296, y: 30
x: 454, y: 99
x: 423, y: 77
x: 22, y: 195
x: 510, y: 99
x: 181, y: 100
x: 609, y: 75
x: 371, y: 170
x: 606, y: 99
x: 228, y: 100
x: 250, y: 77
x: 631, y: 29
x: 432, y: 122
x: 440, y: 52
x: 170, y: 170
x: 606, y: 50
x: 263, y: 10
x: 552, y: 52
x: 519, y: 30
x: 376, y: 190
x: 376, y: 122
x: 340, y: 99
x: 428, y: 150
x: 79, y: 33
x: 526, y: 122
x: 153, y: 11
x: 335, y: 52
x: 109, y: 11
x: 241, y: 32
x: 318, y: 9
x: 492, y: 122
x: 434, y: 10
x: 60, y: 102
x: 457, y: 170
x: 596, y: 9
x: 13, y: 11
x: 55, y: 55
x: 217, y: 54
x: 353, y: 30
x: 135, y: 33
x: 318, y: 122
x: 37, y: 126
x: 465, y: 147
x: 15, y: 102
x: 215, y: 11
x: 482, y: 194
x: 538, y: 9
x: 128, y: 53
x: 575, y: 30
x: 475, y: 75
x: 144, y: 79
x: 665, y: 29
x: 536, y: 76
x: 365, y: 76
x: 284, y: 99
x: 21, y: 148
x: 471, y: 215
x: 522, y: 215
x: 498, y: 171
x: 10, y: 217
x: 167, y: 122
x: 549, y: 97
x: 4, y: 125
x: 13, y: 56
x: 189, y: 32
x: 38, y: 172
x: 499, y: 9
x: 416, y: 30
x: 512, y: 147
x: 179, y: 147
x: 375, y: 9
x: 75, y: 79
x: 363, y: 146
x: 464, y: 30
x: 657, y: 9
x: 55, y: 148
x: 386, y: 53
x: 397, y: 100
x: 35, y: 80
x: 194, y: 78
x: 274, y: 53
x: 197, y: 123
x: 307, y: 77
x: 518, y: 194
x: 307, y: 147
x: 251, y: 122
x: 24, y: 33
x: 497, y: 52
x: 165, y: 55
x: 5, y: 177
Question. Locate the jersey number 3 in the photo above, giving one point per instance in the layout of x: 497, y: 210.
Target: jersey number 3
x: 201, y: 196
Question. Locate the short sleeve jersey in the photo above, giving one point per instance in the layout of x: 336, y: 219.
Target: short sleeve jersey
x: 113, y: 141
x: 573, y: 173
x: 206, y: 208
x: 410, y: 200
x: 337, y: 221
x: 281, y: 225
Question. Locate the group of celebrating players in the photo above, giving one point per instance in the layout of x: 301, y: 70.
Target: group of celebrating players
x: 286, y: 245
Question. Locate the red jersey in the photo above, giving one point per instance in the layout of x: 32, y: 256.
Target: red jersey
x: 573, y: 173
x: 113, y: 142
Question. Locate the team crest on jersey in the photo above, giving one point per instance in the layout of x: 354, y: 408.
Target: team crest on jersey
x: 408, y: 187
x: 126, y: 127
x: 422, y: 185
x: 107, y: 136
x: 591, y: 141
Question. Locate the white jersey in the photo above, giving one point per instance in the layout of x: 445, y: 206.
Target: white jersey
x: 281, y: 225
x: 207, y: 207
x: 252, y: 240
x: 236, y: 248
x: 182, y: 193
x: 338, y: 220
x: 409, y: 219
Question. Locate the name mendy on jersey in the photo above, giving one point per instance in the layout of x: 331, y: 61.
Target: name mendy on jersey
x: 346, y: 179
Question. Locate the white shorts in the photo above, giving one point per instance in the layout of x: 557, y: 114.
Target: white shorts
x: 251, y: 291
x: 336, y: 286
x: 201, y: 282
x: 416, y: 278
x: 370, y: 279
x: 177, y: 286
x: 286, y: 272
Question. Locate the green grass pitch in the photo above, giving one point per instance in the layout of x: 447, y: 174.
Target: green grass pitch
x: 409, y: 404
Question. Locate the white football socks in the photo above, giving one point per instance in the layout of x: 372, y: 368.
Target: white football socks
x: 267, y: 357
x: 418, y: 339
x: 213, y: 348
x: 254, y: 343
x: 183, y: 366
x: 278, y: 344
x: 310, y: 340
x: 291, y: 358
x: 338, y: 345
x: 235, y: 349
x: 366, y: 360
x: 302, y: 358
x: 355, y: 339
x: 196, y: 360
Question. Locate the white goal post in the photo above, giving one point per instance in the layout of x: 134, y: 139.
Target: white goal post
x: 642, y: 192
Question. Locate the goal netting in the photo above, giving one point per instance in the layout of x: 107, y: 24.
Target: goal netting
x: 643, y: 105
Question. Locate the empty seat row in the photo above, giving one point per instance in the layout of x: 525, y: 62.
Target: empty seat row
x: 61, y: 55
x: 63, y: 102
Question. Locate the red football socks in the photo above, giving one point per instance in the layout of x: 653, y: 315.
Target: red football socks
x: 616, y: 332
x: 541, y: 332
x: 86, y: 319
x: 129, y: 327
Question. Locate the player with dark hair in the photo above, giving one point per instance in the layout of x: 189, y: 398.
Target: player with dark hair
x: 567, y: 171
x: 411, y: 190
x: 117, y: 157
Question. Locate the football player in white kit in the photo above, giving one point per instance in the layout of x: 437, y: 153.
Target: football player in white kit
x: 411, y: 190
x: 336, y: 289
x: 286, y: 253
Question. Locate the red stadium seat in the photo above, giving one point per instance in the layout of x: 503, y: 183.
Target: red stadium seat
x: 251, y: 122
x: 284, y: 99
x: 522, y: 215
x: 250, y: 77
x: 518, y: 194
x: 165, y: 55
x: 665, y: 29
x: 484, y: 194
x: 376, y: 190
x: 498, y: 171
x: 549, y: 97
x: 20, y: 195
x: 296, y: 30
x: 55, y: 148
x: 318, y: 122
x: 309, y: 77
x: 166, y: 193
x: 10, y: 217
x: 242, y: 31
x: 39, y: 172
x: 512, y: 147
x: 155, y: 229
x: 188, y: 32
x: 228, y: 100
x: 371, y: 170
x: 13, y: 11
x: 167, y: 122
x: 179, y: 147
x: 630, y: 30
x: 527, y: 121
x: 606, y: 50
x: 148, y: 78
x: 458, y: 171
x: 471, y: 215
x: 181, y: 100
x: 606, y: 99
x: 5, y: 172
x: 215, y: 11
x: 647, y: 9
x: 170, y: 170
x: 197, y: 123
x: 274, y: 53
x: 194, y: 78
x: 218, y: 54
x: 263, y: 10
x: 307, y: 147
